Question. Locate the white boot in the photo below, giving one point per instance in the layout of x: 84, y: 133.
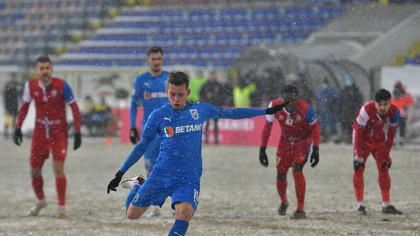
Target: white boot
x: 38, y: 206
x: 128, y: 183
x: 61, y: 213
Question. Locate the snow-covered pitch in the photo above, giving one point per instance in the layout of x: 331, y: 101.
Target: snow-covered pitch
x: 238, y: 196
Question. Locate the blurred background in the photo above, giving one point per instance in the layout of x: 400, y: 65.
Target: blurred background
x: 252, y: 48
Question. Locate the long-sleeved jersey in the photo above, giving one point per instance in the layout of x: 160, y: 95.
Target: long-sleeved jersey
x: 297, y: 125
x: 371, y: 130
x: 151, y: 91
x: 50, y: 104
x: 180, y: 132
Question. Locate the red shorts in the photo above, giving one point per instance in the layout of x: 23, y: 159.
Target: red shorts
x: 377, y: 151
x: 41, y: 146
x: 288, y: 153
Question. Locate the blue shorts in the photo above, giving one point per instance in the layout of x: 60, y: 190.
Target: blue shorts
x: 151, y: 154
x: 156, y: 189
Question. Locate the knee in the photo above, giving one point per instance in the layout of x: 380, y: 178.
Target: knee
x: 132, y: 215
x: 58, y: 169
x: 35, y: 173
x: 281, y: 176
x: 297, y: 167
x: 185, y: 212
x: 59, y: 172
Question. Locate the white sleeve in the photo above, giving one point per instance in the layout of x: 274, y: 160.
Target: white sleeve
x: 363, y: 117
x: 26, y: 93
x: 270, y: 118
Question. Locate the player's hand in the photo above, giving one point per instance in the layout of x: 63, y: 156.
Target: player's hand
x: 273, y: 110
x: 18, y: 136
x: 134, y: 135
x: 263, y: 157
x: 357, y: 163
x: 77, y: 140
x: 115, y: 182
x: 314, y: 156
x: 386, y: 163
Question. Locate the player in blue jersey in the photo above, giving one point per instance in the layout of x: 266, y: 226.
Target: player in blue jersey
x: 149, y: 87
x: 178, y: 168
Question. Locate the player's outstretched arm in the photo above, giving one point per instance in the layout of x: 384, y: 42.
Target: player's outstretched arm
x: 132, y: 158
x: 113, y: 184
x: 242, y: 113
x: 274, y: 109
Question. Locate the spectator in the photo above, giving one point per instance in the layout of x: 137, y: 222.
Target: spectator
x: 327, y: 101
x: 226, y: 95
x: 351, y: 100
x: 95, y: 116
x: 195, y: 86
x: 403, y: 100
x: 12, y: 91
x: 242, y: 94
x: 211, y: 93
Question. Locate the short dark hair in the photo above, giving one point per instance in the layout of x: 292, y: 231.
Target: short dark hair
x: 290, y: 89
x: 42, y: 59
x: 382, y: 95
x: 154, y: 49
x: 178, y: 78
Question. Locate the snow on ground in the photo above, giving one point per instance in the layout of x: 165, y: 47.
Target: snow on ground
x: 238, y: 195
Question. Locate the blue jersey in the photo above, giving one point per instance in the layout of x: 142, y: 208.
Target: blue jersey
x: 180, y: 132
x: 151, y: 91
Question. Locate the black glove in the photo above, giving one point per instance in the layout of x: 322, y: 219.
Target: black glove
x: 386, y: 163
x: 77, y: 140
x: 314, y: 156
x: 115, y: 182
x: 263, y: 157
x: 134, y: 135
x: 357, y: 164
x: 272, y: 110
x: 18, y: 136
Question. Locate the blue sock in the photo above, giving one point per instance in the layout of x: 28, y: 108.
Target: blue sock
x: 179, y: 229
x: 131, y: 196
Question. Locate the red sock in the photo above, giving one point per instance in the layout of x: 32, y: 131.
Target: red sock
x: 37, y: 185
x: 281, y: 189
x: 359, y: 184
x: 300, y: 187
x: 384, y: 184
x: 60, y: 185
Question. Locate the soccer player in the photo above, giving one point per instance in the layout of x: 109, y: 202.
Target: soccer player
x: 50, y: 132
x: 178, y: 169
x: 149, y: 87
x: 299, y: 130
x: 373, y: 132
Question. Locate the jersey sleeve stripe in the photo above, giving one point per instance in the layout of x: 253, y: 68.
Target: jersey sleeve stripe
x: 26, y: 94
x: 362, y: 118
x: 270, y: 118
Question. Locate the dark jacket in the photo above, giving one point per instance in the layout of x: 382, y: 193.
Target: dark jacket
x: 211, y: 93
x: 350, y: 102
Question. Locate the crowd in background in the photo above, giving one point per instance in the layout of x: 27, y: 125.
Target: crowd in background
x: 336, y: 109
